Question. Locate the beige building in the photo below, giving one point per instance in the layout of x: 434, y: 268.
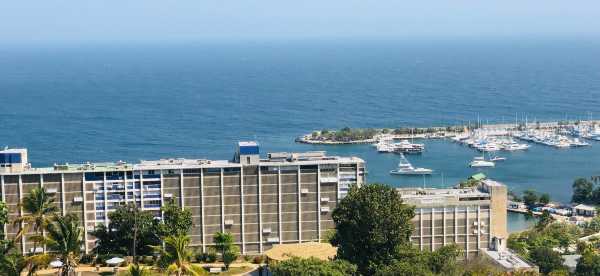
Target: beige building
x: 472, y: 218
x: 284, y: 198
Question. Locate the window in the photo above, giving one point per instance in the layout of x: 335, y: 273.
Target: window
x: 248, y: 159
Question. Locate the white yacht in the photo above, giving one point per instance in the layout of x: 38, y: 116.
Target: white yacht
x: 480, y: 162
x: 498, y: 158
x: 405, y: 168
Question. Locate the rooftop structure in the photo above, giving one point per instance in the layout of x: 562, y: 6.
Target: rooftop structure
x: 283, y: 198
x: 509, y: 261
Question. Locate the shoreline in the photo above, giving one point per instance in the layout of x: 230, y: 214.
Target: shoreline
x: 316, y: 138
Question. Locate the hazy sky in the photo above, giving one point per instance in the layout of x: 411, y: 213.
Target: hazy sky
x: 25, y: 21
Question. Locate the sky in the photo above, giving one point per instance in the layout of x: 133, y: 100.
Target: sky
x: 31, y: 22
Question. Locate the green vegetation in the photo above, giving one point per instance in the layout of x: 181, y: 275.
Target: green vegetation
x: 585, y: 192
x: 588, y: 264
x: 533, y: 199
x: 312, y: 266
x: 538, y: 245
x: 176, y: 221
x: 224, y: 245
x: 62, y: 235
x: 371, y: 223
x: 346, y: 134
x: 175, y: 256
x: 131, y: 232
x: 65, y: 239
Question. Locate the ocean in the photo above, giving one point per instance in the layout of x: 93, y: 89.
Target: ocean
x: 145, y: 101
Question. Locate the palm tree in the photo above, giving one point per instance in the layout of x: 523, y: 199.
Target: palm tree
x: 65, y: 238
x: 175, y: 256
x: 39, y: 207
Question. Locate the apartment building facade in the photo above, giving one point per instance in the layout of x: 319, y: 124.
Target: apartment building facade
x: 284, y: 198
x: 472, y: 218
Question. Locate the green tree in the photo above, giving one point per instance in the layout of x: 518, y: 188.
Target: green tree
x: 544, y: 220
x: 175, y: 256
x: 546, y: 259
x: 530, y: 198
x: 176, y: 220
x: 582, y: 191
x: 224, y: 245
x: 3, y: 218
x: 371, y: 222
x: 65, y: 239
x: 544, y: 199
x: 12, y: 264
x: 130, y: 232
x: 39, y: 208
x: 588, y: 264
x: 312, y: 266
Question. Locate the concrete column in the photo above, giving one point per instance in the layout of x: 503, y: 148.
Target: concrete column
x: 279, y: 204
x: 421, y: 229
x: 181, y: 201
x: 337, y: 184
x: 222, y: 204
x: 62, y: 193
x: 44, y: 230
x: 141, y: 191
x: 260, y: 225
x: 202, y: 209
x: 455, y: 224
x: 467, y: 232
x: 84, y: 201
x: 478, y: 227
x: 432, y: 228
x: 105, y: 201
x: 243, y: 238
x: 20, y: 187
x: 162, y: 192
x: 319, y: 201
x: 299, y: 206
x: 125, y: 187
x: 444, y: 223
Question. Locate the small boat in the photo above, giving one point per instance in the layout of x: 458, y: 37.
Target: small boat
x: 405, y: 168
x: 498, y: 158
x: 480, y: 162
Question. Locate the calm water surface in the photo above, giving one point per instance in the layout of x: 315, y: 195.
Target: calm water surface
x: 99, y: 103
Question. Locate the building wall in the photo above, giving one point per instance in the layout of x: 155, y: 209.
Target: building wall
x: 260, y: 205
x: 467, y: 226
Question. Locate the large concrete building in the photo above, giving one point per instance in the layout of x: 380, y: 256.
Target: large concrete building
x: 284, y: 198
x: 472, y: 218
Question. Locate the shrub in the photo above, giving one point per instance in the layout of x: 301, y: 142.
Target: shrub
x: 211, y: 257
x: 87, y: 259
x: 247, y: 258
x: 258, y: 259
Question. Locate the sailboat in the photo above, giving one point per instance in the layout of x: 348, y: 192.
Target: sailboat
x: 406, y: 168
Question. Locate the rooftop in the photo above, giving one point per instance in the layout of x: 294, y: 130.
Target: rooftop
x: 508, y: 260
x: 275, y: 159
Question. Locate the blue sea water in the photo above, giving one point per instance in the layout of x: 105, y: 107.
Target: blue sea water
x: 143, y: 101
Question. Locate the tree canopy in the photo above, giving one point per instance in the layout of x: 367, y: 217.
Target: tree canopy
x: 372, y: 222
x: 583, y: 191
x: 312, y: 266
x: 176, y: 221
x: 117, y: 237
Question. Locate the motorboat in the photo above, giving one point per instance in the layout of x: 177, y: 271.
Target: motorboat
x: 498, y: 158
x: 406, y: 168
x: 480, y: 162
x: 407, y: 147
